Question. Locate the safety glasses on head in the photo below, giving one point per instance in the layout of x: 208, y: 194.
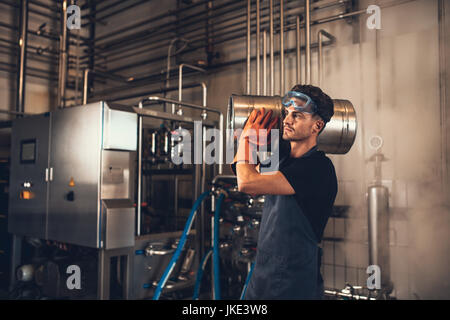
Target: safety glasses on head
x: 300, y: 101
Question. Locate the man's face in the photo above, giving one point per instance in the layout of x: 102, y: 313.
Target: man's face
x: 298, y: 125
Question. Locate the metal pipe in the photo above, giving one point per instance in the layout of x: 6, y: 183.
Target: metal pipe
x: 248, y: 45
x: 320, y: 35
x: 308, y: 42
x: 15, y: 112
x: 272, y: 69
x: 85, y: 85
x: 139, y: 186
x: 62, y: 58
x: 299, y: 64
x: 281, y: 48
x: 156, y: 78
x: 205, y: 93
x: 265, y: 62
x: 191, y: 49
x: 22, y: 63
x: 162, y: 31
x: 195, y: 106
x: 319, y: 59
x: 258, y: 50
x: 180, y: 82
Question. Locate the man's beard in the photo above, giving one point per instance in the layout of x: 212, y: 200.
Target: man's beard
x: 294, y: 136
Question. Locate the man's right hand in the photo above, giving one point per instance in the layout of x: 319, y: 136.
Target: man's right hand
x: 258, y: 126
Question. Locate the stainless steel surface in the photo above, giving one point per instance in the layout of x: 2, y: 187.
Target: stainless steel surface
x: 28, y: 216
x: 119, y: 130
x: 117, y: 175
x: 76, y: 153
x: 298, y: 42
x: 22, y: 57
x: 337, y: 138
x: 378, y: 224
x: 320, y: 36
x: 308, y: 41
x: 249, y: 46
x: 68, y: 177
x: 119, y: 223
x: 272, y: 66
x: 282, y: 78
x: 258, y: 49
x: 240, y: 108
x: 85, y: 85
x: 340, y: 133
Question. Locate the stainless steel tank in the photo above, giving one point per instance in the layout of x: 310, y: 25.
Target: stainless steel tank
x: 378, y: 226
x: 337, y: 138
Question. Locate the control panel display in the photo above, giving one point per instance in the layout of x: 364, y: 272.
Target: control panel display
x: 28, y: 151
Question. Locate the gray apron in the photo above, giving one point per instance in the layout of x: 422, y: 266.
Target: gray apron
x: 288, y: 258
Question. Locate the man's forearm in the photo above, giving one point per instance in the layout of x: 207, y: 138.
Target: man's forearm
x: 245, y: 163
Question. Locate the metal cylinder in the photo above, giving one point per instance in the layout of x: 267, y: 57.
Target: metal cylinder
x: 340, y: 133
x: 378, y: 226
x: 337, y: 138
x: 240, y: 107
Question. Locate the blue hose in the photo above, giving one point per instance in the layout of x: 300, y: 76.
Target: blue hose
x: 180, y: 246
x: 200, y: 270
x: 216, y: 261
x: 249, y: 275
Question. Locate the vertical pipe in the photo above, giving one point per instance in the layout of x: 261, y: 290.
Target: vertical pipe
x: 63, y: 57
x: 85, y: 85
x: 308, y: 42
x: 248, y: 44
x: 319, y: 60
x: 265, y: 62
x: 22, y: 63
x: 281, y: 47
x: 180, y: 88
x: 443, y: 85
x: 299, y: 65
x: 221, y: 143
x: 203, y: 183
x: 272, y: 68
x: 258, y: 50
x: 139, y: 174
x: 378, y: 231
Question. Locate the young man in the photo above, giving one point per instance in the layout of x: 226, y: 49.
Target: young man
x: 299, y: 197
